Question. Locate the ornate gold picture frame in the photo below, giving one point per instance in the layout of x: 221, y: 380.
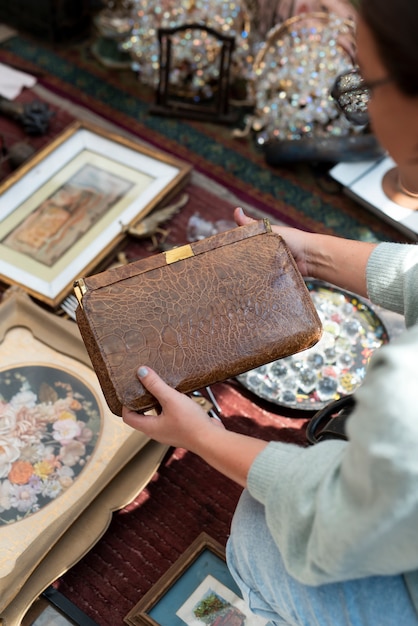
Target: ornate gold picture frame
x: 61, y: 452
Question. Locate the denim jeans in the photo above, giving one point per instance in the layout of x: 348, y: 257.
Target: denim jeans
x: 256, y: 565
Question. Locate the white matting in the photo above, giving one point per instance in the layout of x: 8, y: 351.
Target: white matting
x: 363, y: 182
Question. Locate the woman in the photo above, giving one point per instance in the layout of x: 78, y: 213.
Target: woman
x: 328, y: 535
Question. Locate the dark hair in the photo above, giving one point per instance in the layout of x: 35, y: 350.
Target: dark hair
x: 394, y: 24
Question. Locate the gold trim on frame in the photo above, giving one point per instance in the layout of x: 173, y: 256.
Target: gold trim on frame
x: 86, y: 530
x: 36, y: 550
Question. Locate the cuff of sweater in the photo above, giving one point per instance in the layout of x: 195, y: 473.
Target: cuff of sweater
x: 384, y: 268
x: 268, y: 465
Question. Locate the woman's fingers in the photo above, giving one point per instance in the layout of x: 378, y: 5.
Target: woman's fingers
x: 241, y: 218
x: 154, y: 384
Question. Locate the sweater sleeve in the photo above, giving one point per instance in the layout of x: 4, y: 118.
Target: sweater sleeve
x: 392, y: 279
x: 343, y: 510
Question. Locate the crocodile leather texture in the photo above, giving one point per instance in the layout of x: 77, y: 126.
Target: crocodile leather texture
x: 238, y: 303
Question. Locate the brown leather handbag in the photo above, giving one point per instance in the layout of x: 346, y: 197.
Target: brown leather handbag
x: 197, y: 314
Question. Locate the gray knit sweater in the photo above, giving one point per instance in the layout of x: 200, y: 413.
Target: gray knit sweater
x: 339, y: 510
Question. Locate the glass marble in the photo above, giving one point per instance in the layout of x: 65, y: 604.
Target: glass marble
x: 327, y: 388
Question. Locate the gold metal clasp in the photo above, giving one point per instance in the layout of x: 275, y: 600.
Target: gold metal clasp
x: 79, y: 290
x: 267, y: 224
x: 178, y: 254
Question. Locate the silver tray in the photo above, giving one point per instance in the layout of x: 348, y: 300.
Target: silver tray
x: 335, y: 366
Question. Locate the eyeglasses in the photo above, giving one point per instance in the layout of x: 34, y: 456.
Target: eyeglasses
x: 352, y: 95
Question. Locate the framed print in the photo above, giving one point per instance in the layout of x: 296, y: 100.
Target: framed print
x: 197, y: 590
x: 206, y: 98
x: 54, y: 609
x: 60, y: 446
x: 65, y: 210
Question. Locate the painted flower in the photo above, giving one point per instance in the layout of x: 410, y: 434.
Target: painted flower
x: 36, y: 451
x: 25, y: 398
x: 28, y: 427
x: 7, y: 418
x: 65, y: 475
x: 72, y: 453
x: 75, y: 405
x: 58, y: 410
x: 35, y: 483
x: 43, y: 469
x: 65, y: 471
x: 23, y: 498
x: 66, y: 415
x: 5, y: 490
x: 86, y: 434
x: 51, y: 489
x: 20, y: 472
x: 9, y: 452
x: 65, y: 430
x: 65, y: 481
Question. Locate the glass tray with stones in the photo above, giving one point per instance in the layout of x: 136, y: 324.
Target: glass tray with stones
x: 335, y: 366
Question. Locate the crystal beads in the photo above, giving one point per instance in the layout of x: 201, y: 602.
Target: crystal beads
x: 195, y: 54
x: 293, y: 75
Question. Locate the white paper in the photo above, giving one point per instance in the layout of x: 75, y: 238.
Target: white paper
x: 368, y: 191
x: 348, y: 173
x: 13, y: 81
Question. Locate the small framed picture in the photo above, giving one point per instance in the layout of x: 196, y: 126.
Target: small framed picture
x: 69, y: 206
x: 198, y: 590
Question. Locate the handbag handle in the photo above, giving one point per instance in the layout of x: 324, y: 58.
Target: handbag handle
x: 329, y: 422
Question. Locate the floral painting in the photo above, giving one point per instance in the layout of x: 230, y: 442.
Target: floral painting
x: 214, y: 604
x: 49, y: 427
x: 213, y: 610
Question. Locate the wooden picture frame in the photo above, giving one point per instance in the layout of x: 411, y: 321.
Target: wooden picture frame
x: 69, y: 206
x: 47, y: 381
x: 198, y: 582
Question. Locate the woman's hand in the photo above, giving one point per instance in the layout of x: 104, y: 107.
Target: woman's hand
x: 339, y: 261
x: 181, y: 422
x: 296, y: 240
x: 184, y: 424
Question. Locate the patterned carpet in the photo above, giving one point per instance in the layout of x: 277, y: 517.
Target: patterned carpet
x: 299, y: 195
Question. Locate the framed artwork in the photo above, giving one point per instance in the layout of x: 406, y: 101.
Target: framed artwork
x: 206, y: 95
x: 54, y: 609
x: 68, y: 207
x: 197, y: 590
x: 60, y: 450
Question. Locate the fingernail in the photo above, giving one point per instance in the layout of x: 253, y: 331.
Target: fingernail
x: 142, y: 371
x: 240, y: 211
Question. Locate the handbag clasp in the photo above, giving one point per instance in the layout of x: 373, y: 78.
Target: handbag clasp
x: 178, y: 254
